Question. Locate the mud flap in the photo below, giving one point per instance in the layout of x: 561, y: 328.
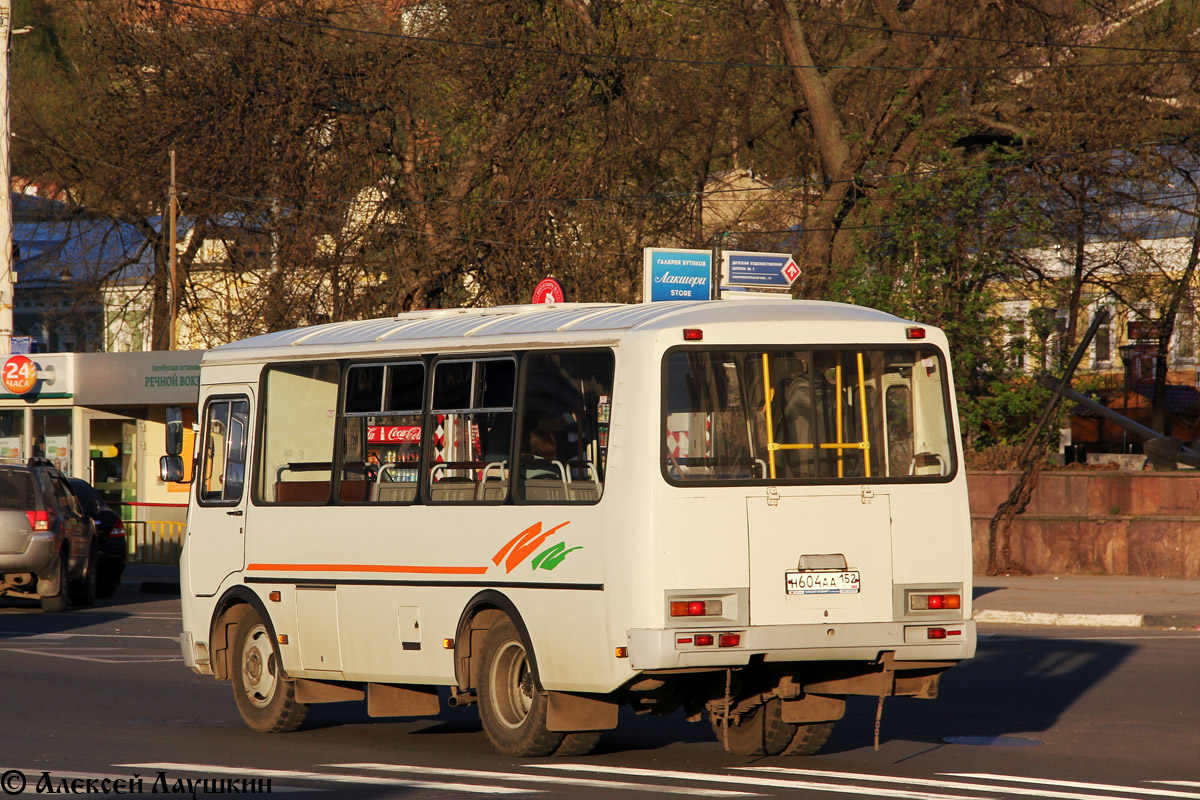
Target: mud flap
x: 567, y: 712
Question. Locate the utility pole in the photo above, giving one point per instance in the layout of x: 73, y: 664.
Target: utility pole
x: 173, y: 294
x: 6, y: 224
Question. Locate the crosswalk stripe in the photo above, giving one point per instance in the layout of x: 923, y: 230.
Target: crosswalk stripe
x: 745, y: 780
x: 284, y: 774
x: 555, y: 779
x: 979, y: 787
x: 1102, y: 787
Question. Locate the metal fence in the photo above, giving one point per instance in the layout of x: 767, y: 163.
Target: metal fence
x: 154, y: 541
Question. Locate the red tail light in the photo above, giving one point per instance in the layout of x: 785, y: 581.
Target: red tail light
x: 922, y: 602
x: 695, y: 608
x: 38, y: 520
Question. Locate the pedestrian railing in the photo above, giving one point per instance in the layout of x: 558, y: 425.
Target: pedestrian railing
x: 153, y: 541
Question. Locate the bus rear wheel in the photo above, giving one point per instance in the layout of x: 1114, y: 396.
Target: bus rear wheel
x: 759, y: 732
x: 265, y: 696
x: 511, y: 708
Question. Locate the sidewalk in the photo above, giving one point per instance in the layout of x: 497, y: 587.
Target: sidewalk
x: 1088, y: 600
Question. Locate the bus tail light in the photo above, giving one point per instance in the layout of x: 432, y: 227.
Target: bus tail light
x: 926, y: 602
x: 696, y: 608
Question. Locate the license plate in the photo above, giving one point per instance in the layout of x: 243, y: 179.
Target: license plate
x: 831, y: 582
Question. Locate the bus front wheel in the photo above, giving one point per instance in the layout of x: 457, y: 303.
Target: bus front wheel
x: 265, y: 696
x: 511, y: 708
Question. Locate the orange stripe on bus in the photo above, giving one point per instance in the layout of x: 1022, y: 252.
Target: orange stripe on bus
x: 367, y: 568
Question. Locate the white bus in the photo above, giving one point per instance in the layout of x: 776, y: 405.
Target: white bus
x: 746, y: 510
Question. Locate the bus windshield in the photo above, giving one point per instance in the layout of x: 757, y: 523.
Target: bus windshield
x: 820, y: 414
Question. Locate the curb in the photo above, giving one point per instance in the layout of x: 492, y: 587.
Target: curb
x: 1157, y: 621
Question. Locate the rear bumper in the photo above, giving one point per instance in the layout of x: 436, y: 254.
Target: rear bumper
x: 40, y: 557
x: 654, y: 648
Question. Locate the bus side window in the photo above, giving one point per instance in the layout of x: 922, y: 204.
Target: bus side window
x: 295, y: 460
x: 471, y: 430
x: 223, y: 469
x: 381, y: 433
x: 565, y: 412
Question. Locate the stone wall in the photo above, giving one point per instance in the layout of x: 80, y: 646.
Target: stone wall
x: 1096, y: 522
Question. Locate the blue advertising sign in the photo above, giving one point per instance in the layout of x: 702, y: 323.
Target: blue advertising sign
x: 671, y: 274
x: 762, y: 270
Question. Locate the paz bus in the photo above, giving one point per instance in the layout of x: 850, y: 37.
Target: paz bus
x: 744, y: 510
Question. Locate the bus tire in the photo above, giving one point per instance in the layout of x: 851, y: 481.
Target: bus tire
x: 760, y: 732
x: 511, y: 708
x: 265, y: 696
x: 810, y: 737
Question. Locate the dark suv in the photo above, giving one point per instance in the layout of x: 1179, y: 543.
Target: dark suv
x: 48, y: 545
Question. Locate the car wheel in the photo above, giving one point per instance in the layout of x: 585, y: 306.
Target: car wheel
x: 61, y: 601
x: 511, y: 708
x: 265, y: 696
x: 83, y: 589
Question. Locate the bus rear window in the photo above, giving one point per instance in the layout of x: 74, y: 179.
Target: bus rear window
x: 806, y: 415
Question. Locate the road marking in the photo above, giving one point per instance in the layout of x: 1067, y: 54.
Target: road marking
x: 1101, y: 787
x: 1043, y: 618
x: 980, y: 787
x: 745, y: 780
x: 555, y: 779
x: 302, y: 775
x: 132, y: 658
x: 62, y: 637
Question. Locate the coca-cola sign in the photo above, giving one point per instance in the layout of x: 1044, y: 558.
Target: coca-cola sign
x: 394, y: 434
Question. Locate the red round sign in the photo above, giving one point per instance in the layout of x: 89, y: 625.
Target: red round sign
x: 19, y: 374
x: 549, y: 291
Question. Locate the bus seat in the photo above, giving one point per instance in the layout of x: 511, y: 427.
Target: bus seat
x: 584, y: 492
x: 452, y: 490
x: 354, y: 491
x: 394, y: 492
x: 302, y: 491
x: 545, y: 490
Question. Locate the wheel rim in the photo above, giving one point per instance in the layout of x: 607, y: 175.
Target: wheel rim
x: 512, y: 682
x: 259, y: 670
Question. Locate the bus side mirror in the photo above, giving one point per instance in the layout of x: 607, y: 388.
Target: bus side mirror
x: 174, y: 431
x: 170, y: 468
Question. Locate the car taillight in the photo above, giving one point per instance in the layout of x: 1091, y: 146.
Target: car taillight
x: 696, y: 608
x: 38, y: 520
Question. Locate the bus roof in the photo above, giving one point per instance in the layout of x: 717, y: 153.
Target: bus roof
x: 522, y: 322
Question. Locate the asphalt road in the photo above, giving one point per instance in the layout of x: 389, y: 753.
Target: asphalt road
x: 1078, y: 715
